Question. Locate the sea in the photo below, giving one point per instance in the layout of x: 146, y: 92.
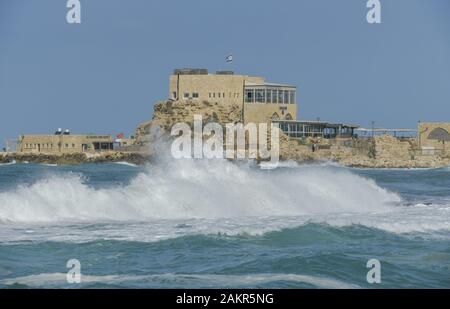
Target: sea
x: 222, y: 224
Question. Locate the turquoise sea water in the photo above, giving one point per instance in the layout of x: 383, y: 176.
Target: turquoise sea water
x: 197, y: 224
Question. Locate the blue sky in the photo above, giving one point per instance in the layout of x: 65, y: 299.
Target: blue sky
x: 105, y: 74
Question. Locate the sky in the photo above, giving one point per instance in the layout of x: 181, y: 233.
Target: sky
x: 104, y: 75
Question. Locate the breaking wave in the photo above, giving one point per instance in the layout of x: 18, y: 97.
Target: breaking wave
x: 187, y: 189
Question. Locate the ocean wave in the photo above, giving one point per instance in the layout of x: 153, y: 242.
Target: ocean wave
x: 9, y: 163
x: 206, y: 280
x: 191, y: 197
x: 187, y: 189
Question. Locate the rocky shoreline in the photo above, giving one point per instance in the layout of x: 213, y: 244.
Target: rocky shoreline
x: 383, y: 151
x: 75, y: 158
x: 338, y: 157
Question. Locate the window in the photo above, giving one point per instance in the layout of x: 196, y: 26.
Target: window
x: 274, y: 95
x: 223, y: 95
x: 280, y: 96
x: 73, y: 145
x: 249, y: 95
x: 174, y: 94
x: 286, y: 97
x: 219, y: 94
x: 66, y: 145
x: 186, y: 95
x: 268, y: 95
x: 292, y: 97
x: 210, y: 94
x: 260, y: 95
x: 195, y: 95
x: 214, y: 94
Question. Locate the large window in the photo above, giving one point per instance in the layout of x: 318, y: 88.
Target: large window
x: 274, y: 95
x: 269, y: 95
x: 249, y: 95
x: 292, y: 97
x: 260, y: 95
x: 280, y: 96
x: 286, y: 97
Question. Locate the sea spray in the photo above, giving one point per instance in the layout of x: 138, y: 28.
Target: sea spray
x: 183, y: 189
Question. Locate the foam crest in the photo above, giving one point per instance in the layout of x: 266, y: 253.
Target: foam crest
x: 185, y: 189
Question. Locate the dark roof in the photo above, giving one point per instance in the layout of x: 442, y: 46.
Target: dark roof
x: 189, y: 71
x: 439, y: 134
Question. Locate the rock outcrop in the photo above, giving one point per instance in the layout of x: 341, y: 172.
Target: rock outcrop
x: 168, y: 113
x: 74, y: 158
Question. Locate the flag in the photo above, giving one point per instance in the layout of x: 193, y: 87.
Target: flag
x: 229, y: 58
x: 120, y: 136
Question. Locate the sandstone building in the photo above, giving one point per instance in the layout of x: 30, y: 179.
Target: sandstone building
x: 261, y: 101
x: 63, y: 143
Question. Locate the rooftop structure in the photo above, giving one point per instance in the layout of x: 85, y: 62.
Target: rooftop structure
x: 396, y: 132
x: 63, y: 142
x: 434, y: 136
x: 299, y: 129
x: 261, y: 101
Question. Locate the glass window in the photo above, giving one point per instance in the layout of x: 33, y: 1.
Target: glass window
x: 280, y: 96
x: 292, y: 97
x: 195, y: 95
x: 286, y: 97
x: 249, y: 95
x: 186, y: 95
x: 274, y: 95
x: 174, y: 94
x: 219, y: 94
x: 268, y: 95
x: 260, y: 95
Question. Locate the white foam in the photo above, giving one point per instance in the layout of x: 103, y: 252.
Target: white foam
x: 58, y: 279
x: 9, y: 163
x: 126, y: 163
x: 187, y: 197
x: 197, y: 189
